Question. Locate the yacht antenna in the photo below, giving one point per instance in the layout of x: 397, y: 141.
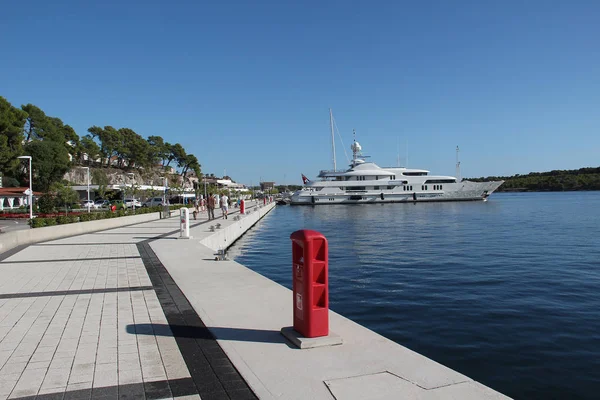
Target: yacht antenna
x: 332, y: 139
x: 341, y: 140
x: 457, y: 165
x: 354, y: 146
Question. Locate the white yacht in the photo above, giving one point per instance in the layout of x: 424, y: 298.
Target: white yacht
x: 366, y: 182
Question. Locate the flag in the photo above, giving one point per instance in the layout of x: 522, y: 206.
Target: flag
x: 305, y: 180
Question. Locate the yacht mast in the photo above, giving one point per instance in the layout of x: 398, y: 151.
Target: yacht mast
x: 332, y: 139
x: 457, y: 166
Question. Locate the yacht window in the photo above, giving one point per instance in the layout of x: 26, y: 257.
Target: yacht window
x: 440, y: 181
x: 425, y: 187
x: 415, y: 173
x: 391, y: 187
x: 356, y: 188
x: 375, y: 187
x: 440, y: 187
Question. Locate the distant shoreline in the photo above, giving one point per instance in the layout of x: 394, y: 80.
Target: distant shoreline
x: 525, y: 190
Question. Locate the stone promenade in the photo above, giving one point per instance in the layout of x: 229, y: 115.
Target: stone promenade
x: 84, y: 318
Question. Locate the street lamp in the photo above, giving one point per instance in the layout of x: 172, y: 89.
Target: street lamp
x: 88, y: 189
x: 30, y: 188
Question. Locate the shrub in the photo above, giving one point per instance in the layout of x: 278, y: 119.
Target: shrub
x: 62, y: 219
x: 50, y: 221
x: 37, y: 222
x: 46, y: 203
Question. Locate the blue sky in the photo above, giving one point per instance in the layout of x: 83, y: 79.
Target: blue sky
x: 246, y: 86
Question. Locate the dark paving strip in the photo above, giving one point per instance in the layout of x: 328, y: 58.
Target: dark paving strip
x: 71, y: 292
x: 146, y: 390
x: 12, y: 252
x: 214, y: 376
x: 69, y: 259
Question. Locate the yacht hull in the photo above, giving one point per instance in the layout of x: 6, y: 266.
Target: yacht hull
x: 462, y: 191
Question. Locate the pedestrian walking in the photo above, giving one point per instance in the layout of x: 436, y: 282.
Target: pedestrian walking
x: 210, y: 207
x: 224, y: 205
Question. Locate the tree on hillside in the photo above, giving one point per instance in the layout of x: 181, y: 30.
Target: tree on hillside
x: 109, y: 141
x: 190, y: 162
x: 133, y: 148
x: 159, y: 150
x: 176, y: 153
x: 39, y: 126
x: 50, y: 162
x: 12, y: 121
x: 89, y: 147
x: 35, y: 125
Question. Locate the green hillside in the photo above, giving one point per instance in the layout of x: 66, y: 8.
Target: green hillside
x: 555, y: 181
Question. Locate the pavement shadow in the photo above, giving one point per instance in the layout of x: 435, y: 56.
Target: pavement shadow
x: 201, y: 332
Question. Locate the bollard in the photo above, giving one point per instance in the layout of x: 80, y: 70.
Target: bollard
x: 264, y: 201
x: 310, y: 283
x: 242, y: 206
x: 184, y: 223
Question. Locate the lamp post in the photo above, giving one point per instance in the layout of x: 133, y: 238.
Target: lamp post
x: 30, y: 187
x: 164, y: 190
x: 88, y: 189
x: 131, y: 175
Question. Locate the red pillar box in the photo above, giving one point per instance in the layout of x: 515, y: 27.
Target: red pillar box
x: 310, y: 283
x: 242, y: 206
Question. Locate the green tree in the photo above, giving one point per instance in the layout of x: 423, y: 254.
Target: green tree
x: 50, y: 162
x: 110, y: 141
x: 159, y: 150
x: 65, y: 195
x: 99, y: 178
x: 190, y: 162
x: 12, y: 121
x: 89, y: 146
x: 176, y: 153
x: 39, y: 126
x: 134, y: 149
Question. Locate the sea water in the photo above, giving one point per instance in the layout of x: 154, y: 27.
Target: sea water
x: 506, y: 291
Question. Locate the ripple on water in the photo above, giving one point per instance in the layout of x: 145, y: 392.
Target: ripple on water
x: 505, y: 292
